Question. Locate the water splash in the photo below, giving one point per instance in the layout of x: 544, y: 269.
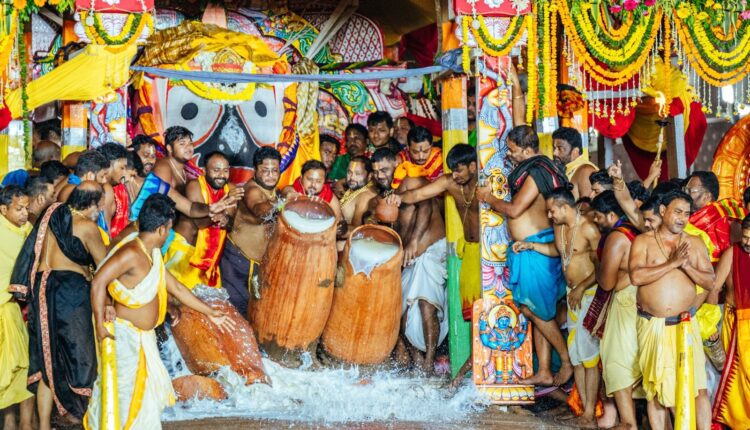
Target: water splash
x: 334, y: 395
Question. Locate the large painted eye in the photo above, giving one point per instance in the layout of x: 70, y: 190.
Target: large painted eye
x: 192, y: 112
x: 263, y: 114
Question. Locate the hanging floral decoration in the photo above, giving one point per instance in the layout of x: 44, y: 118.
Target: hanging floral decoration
x: 131, y: 30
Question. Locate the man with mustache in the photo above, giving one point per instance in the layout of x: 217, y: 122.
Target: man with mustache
x: 732, y: 406
x: 252, y: 226
x: 145, y: 147
x: 666, y: 264
x: 568, y: 150
x: 205, y: 235
x: 359, y: 191
x: 312, y: 183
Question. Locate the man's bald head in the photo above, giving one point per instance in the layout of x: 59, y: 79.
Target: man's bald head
x: 45, y: 150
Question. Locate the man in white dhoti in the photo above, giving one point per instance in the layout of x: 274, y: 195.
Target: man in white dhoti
x: 133, y: 386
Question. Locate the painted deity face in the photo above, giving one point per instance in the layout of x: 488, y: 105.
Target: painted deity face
x: 503, y: 322
x: 17, y: 212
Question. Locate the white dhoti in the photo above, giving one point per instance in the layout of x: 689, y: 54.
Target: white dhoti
x: 132, y: 387
x: 425, y: 280
x: 583, y: 347
x: 139, y: 389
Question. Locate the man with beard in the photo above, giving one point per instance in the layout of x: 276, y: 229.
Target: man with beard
x: 247, y: 241
x: 420, y: 159
x: 576, y: 240
x: 568, y: 150
x: 359, y: 192
x: 356, y: 144
x: 145, y: 147
x: 666, y: 264
x: 205, y: 237
x: 617, y: 313
x: 732, y: 405
x: 53, y: 272
x: 41, y: 194
x: 312, y: 183
x: 713, y: 221
x: 424, y: 323
x: 14, y: 347
x: 535, y: 279
x: 462, y: 185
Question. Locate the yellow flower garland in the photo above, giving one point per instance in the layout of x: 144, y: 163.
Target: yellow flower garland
x: 601, y: 74
x: 614, y: 33
x: 704, y: 70
x: 509, y: 39
x: 546, y: 54
x: 465, y: 52
x: 208, y: 91
x: 531, y: 67
x: 552, y: 89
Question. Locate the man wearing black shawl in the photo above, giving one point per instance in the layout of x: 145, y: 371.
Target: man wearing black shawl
x: 52, y: 273
x: 535, y: 273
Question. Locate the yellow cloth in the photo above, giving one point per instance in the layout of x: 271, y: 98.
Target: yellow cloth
x: 583, y: 347
x: 657, y: 345
x: 98, y: 70
x: 14, y: 339
x: 732, y: 405
x: 133, y: 386
x: 177, y: 261
x: 708, y: 316
x: 572, y: 167
x: 470, y: 278
x: 619, y: 344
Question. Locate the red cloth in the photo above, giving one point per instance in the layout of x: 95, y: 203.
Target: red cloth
x: 423, y: 44
x: 122, y: 211
x: 619, y: 128
x: 435, y: 127
x: 716, y: 220
x: 326, y: 194
x: 741, y: 278
x: 5, y: 117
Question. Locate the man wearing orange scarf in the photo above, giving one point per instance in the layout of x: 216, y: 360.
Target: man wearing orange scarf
x: 732, y: 406
x: 711, y: 220
x: 200, y: 265
x: 420, y: 159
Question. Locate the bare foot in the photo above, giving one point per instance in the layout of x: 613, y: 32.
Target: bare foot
x: 564, y: 374
x: 583, y: 423
x: 543, y: 378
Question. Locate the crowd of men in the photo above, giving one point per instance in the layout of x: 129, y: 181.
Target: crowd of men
x: 607, y: 272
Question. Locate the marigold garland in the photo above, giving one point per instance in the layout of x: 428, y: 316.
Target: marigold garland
x: 466, y: 50
x: 503, y: 46
x: 531, y: 66
x: 213, y: 92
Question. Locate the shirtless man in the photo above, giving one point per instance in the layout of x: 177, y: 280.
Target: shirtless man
x: 91, y: 166
x: 568, y: 150
x: 209, y: 189
x: 535, y: 279
x: 133, y: 276
x: 619, y: 344
x: 600, y: 182
x: 247, y: 241
x: 359, y: 192
x: 576, y: 240
x: 171, y: 169
x: 70, y: 245
x: 424, y: 322
x: 666, y: 264
x: 145, y: 147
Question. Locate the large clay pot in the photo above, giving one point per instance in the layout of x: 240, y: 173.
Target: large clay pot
x: 296, y: 281
x: 198, y: 387
x: 366, y: 312
x: 386, y: 213
x: 206, y: 349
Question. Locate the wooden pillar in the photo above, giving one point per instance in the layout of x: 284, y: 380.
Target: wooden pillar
x: 675, y: 142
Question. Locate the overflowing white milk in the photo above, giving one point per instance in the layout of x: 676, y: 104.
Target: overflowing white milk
x: 366, y: 253
x: 333, y: 395
x: 305, y: 224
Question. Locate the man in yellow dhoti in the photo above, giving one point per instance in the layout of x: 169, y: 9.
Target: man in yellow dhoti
x: 133, y: 386
x: 732, y: 404
x: 666, y: 264
x: 14, y: 340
